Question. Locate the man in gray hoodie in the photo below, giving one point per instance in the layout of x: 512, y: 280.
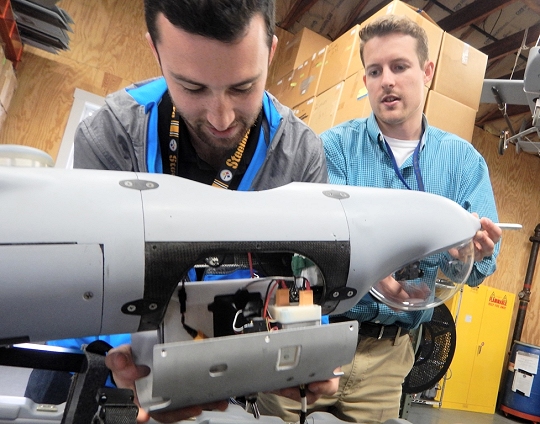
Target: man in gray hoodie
x: 209, y: 113
x: 208, y: 119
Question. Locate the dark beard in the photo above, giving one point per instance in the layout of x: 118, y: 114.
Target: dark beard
x: 212, y: 150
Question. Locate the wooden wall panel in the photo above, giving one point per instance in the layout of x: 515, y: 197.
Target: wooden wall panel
x: 89, y: 38
x: 516, y: 185
x: 128, y: 54
x: 110, y: 35
x: 108, y: 51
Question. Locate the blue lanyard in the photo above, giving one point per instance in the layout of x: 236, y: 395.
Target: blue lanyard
x: 416, y: 166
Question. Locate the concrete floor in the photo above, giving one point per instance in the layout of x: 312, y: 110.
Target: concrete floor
x: 427, y: 414
x: 13, y: 383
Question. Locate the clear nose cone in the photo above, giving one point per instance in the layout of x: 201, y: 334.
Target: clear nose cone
x: 428, y: 282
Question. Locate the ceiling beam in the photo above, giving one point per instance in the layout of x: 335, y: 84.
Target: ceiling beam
x: 533, y: 5
x: 428, y: 6
x: 353, y: 16
x: 511, y: 44
x: 518, y: 75
x: 296, y: 12
x: 496, y: 114
x: 371, y: 11
x: 472, y: 13
x: 491, y: 115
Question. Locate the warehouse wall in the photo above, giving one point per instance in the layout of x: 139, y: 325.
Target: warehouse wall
x: 516, y: 184
x: 108, y: 51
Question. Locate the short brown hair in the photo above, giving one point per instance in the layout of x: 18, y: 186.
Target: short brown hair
x: 222, y: 20
x: 392, y: 24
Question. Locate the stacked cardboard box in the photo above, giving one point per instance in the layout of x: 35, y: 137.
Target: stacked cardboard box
x: 325, y: 108
x: 8, y: 84
x: 334, y: 77
x: 293, y: 51
x: 341, y: 61
x: 304, y: 110
x: 302, y: 84
x: 450, y: 115
x: 454, y: 97
x: 283, y: 37
x: 354, y: 102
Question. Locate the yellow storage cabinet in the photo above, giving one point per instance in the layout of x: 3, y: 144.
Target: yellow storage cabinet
x: 483, y: 322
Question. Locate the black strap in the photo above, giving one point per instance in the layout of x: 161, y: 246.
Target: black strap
x: 224, y: 175
x: 81, y: 405
x: 86, y: 402
x: 115, y: 407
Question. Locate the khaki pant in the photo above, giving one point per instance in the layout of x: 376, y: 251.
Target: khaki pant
x: 369, y: 391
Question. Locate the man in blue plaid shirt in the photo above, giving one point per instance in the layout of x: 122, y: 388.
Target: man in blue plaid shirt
x: 396, y: 148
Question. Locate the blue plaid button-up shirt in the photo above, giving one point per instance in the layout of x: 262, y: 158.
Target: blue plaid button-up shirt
x: 450, y: 166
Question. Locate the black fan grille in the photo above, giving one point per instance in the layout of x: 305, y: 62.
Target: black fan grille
x: 435, y: 352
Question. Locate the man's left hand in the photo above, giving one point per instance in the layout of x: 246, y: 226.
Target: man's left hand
x: 313, y: 390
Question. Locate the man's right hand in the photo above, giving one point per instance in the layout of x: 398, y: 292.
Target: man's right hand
x: 399, y: 292
x: 125, y: 372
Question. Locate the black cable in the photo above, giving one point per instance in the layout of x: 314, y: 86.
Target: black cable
x: 182, y: 297
x: 303, y: 404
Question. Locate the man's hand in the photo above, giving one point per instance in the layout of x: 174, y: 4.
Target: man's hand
x: 125, y: 372
x: 313, y: 390
x: 486, y: 238
x: 402, y: 291
x: 484, y: 241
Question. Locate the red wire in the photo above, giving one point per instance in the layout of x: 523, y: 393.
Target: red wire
x: 250, y: 265
x: 267, y: 300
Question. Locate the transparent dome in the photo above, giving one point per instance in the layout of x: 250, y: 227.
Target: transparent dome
x: 428, y: 282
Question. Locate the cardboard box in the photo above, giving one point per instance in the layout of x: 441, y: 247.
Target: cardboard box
x: 304, y: 110
x: 325, y: 108
x: 342, y: 60
x: 3, y: 116
x: 299, y: 49
x: 288, y: 90
x: 304, y: 81
x: 283, y: 37
x: 449, y: 115
x: 7, y: 89
x: 276, y: 88
x: 354, y: 102
x: 460, y: 71
x: 434, y: 33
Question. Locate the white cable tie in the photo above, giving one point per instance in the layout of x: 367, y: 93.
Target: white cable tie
x: 235, y: 328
